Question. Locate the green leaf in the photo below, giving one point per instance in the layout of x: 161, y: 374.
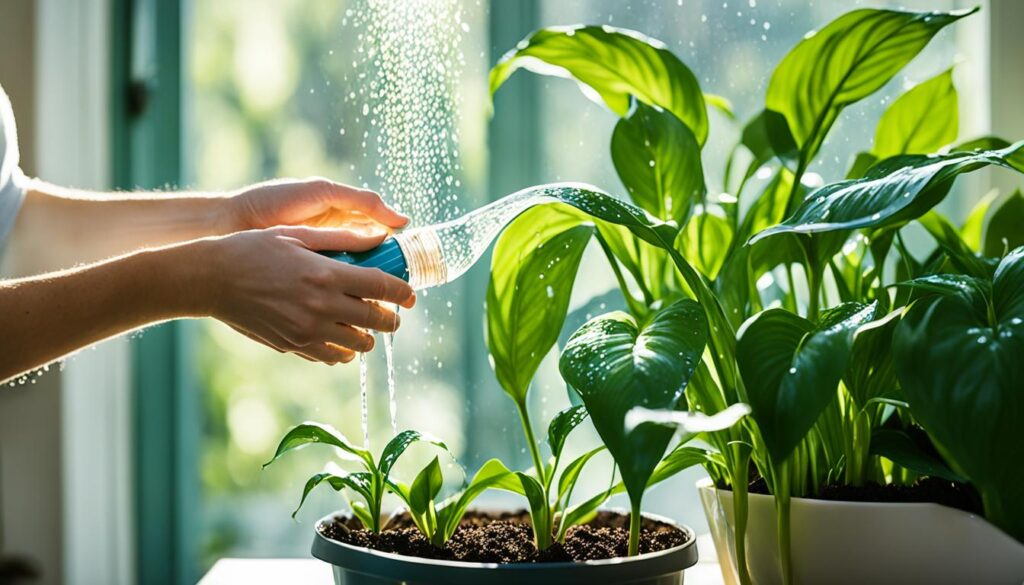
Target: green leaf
x: 397, y: 445
x: 921, y: 121
x: 360, y: 511
x: 605, y: 210
x: 689, y: 422
x: 657, y: 158
x: 425, y: 487
x: 848, y: 60
x: 959, y: 253
x: 958, y: 359
x: 562, y: 424
x: 534, y: 265
x: 767, y: 136
x: 870, y: 374
x: 309, y: 433
x: 540, y: 512
x: 706, y: 239
x: 1005, y: 229
x: 616, y: 365
x: 571, y: 473
x: 493, y: 474
x: 943, y: 284
x: 682, y: 458
x: 611, y: 65
x: 792, y: 369
x: 861, y: 165
x: 894, y: 191
x: 915, y: 453
x: 358, y: 482
x: 971, y: 231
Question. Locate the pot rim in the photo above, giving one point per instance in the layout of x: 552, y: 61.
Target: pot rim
x: 705, y: 483
x: 689, y: 548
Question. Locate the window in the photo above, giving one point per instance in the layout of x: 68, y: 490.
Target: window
x: 278, y: 88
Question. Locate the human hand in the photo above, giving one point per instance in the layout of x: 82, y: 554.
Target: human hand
x: 274, y: 288
x: 313, y: 202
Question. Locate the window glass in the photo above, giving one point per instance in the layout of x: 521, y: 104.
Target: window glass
x: 279, y: 89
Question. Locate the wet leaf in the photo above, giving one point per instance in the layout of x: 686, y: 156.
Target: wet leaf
x: 894, y: 191
x: 848, y: 60
x: 921, y: 121
x: 657, y: 158
x: 792, y: 369
x: 617, y: 365
x: 611, y: 65
x: 562, y: 424
x: 958, y: 359
x: 309, y: 433
x: 534, y: 265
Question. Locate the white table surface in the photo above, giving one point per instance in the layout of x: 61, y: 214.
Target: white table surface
x: 314, y: 572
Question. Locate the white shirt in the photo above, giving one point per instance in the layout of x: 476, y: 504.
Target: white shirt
x: 12, y: 181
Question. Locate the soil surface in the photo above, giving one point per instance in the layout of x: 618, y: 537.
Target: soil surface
x: 926, y: 490
x: 507, y: 538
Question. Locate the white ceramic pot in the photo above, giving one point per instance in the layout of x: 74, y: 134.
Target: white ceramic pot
x: 864, y: 542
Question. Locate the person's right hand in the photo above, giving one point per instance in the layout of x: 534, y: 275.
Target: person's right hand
x: 273, y: 287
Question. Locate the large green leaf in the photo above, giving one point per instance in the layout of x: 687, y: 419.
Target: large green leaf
x: 658, y: 160
x: 921, y: 121
x: 767, y: 136
x: 792, y: 369
x: 616, y: 365
x: 534, y: 265
x: 397, y: 445
x: 959, y: 360
x: 894, y: 191
x: 1005, y: 228
x: 611, y: 65
x: 848, y: 60
x: 309, y: 433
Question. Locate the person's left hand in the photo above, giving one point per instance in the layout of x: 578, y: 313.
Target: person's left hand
x: 315, y: 202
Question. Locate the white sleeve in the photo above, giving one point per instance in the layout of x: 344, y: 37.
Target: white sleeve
x: 12, y: 180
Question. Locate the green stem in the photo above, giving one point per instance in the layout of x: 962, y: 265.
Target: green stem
x: 814, y: 287
x: 739, y: 521
x: 531, y: 441
x: 634, y: 529
x: 782, y: 520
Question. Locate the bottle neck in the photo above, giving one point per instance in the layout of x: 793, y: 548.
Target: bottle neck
x: 422, y: 250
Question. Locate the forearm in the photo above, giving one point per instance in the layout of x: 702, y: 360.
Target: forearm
x: 62, y: 227
x: 47, y: 317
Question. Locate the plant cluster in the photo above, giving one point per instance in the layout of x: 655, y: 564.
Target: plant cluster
x: 856, y: 360
x: 859, y: 361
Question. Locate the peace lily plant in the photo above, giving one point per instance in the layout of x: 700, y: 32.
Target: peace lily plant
x: 789, y: 328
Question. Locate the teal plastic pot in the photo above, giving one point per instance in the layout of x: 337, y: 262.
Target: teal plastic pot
x: 361, y: 566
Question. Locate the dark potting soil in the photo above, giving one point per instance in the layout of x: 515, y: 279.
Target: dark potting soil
x: 927, y: 490
x: 507, y: 538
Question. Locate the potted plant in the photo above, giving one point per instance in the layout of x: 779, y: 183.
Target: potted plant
x: 871, y: 374
x: 862, y: 366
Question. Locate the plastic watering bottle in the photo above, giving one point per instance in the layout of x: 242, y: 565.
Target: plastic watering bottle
x: 433, y: 255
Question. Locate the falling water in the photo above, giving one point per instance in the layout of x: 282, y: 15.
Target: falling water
x: 405, y: 97
x: 389, y: 355
x: 364, y: 398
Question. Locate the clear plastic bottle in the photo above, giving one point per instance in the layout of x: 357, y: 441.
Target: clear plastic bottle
x: 433, y: 255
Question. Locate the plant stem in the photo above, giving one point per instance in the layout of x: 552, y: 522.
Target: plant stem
x: 634, y: 529
x: 814, y: 288
x: 531, y: 441
x: 739, y: 521
x: 782, y: 521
